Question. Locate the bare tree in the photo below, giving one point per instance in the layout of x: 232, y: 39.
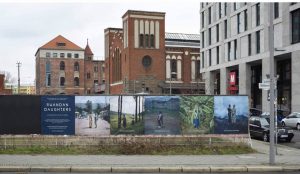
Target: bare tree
x: 9, y: 78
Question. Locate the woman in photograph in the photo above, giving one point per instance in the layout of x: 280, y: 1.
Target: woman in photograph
x: 124, y: 121
x: 233, y: 114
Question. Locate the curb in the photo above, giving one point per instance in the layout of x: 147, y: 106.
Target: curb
x: 136, y: 169
x: 78, y: 169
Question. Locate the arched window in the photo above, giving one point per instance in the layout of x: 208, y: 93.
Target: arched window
x: 62, y: 65
x: 174, y: 68
x: 62, y: 81
x: 76, y: 81
x: 76, y: 66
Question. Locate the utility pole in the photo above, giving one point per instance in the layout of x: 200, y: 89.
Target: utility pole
x: 272, y: 85
x: 19, y: 65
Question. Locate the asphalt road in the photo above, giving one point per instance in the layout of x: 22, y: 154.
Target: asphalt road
x: 295, y: 141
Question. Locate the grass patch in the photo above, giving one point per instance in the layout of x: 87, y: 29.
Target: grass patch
x: 134, y: 149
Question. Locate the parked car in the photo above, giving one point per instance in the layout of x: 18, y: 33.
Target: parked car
x: 255, y: 112
x: 260, y: 128
x: 280, y: 115
x: 293, y: 120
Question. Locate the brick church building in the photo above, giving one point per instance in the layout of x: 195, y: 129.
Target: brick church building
x: 142, y: 58
x: 63, y: 67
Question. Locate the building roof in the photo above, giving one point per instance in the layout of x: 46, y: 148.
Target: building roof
x: 182, y: 40
x: 60, y: 43
x: 148, y: 13
x: 183, y: 37
x: 87, y: 50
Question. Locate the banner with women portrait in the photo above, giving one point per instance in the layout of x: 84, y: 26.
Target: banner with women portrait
x: 231, y: 114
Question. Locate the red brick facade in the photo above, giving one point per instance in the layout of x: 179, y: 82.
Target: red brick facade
x: 74, y: 73
x: 135, y: 57
x: 4, y: 91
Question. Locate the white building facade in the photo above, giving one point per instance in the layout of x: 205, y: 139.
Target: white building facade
x: 234, y: 42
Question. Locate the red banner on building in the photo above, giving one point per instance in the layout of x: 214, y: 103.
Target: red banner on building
x: 232, y: 78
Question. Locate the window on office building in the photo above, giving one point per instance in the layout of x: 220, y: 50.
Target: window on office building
x: 218, y: 54
x: 218, y: 34
x: 202, y: 37
x: 296, y: 26
x: 246, y: 20
x: 209, y: 61
x: 209, y: 36
x: 228, y: 51
x: 198, y: 74
x: 225, y: 9
x: 238, y: 23
x: 234, y: 6
x: 276, y: 10
x: 257, y: 42
x: 220, y: 8
x: 62, y: 55
x: 249, y: 44
x: 235, y: 49
x: 69, y: 55
x: 202, y: 59
x: 209, y: 15
x: 225, y: 29
x: 257, y: 9
x: 55, y: 55
x: 202, y: 19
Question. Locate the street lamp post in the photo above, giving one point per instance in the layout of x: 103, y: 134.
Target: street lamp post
x: 272, y: 86
x: 134, y: 81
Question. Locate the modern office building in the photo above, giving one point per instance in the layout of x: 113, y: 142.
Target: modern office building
x: 63, y: 67
x: 235, y: 53
x: 142, y: 58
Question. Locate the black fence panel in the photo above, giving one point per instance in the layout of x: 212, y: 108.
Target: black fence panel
x: 20, y: 115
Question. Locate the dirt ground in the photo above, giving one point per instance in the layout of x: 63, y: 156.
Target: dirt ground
x: 171, y: 124
x: 82, y: 127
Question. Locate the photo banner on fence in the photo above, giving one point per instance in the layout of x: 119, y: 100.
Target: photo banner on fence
x: 124, y: 115
x: 127, y: 115
x: 58, y: 115
x: 231, y: 114
x: 92, y: 115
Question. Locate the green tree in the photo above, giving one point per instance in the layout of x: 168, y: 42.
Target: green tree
x: 88, y: 105
x: 98, y: 109
x: 201, y: 104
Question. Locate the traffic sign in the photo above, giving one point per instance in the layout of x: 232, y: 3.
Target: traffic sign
x: 264, y: 86
x: 266, y: 81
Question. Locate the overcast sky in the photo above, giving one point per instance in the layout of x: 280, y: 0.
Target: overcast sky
x: 24, y: 27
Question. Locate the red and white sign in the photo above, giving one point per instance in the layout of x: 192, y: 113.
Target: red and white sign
x: 232, y: 78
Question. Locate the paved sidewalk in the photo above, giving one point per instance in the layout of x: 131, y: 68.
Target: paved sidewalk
x: 287, y: 157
